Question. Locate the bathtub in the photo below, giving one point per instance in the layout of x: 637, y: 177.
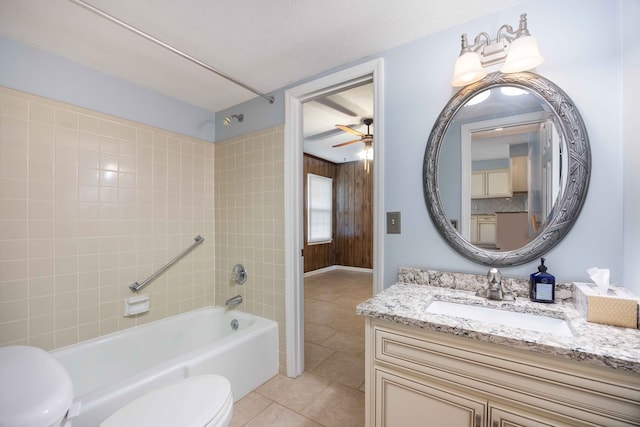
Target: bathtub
x: 109, y: 371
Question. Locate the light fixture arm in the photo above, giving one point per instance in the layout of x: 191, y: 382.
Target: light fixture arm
x: 493, y: 51
x: 517, y: 49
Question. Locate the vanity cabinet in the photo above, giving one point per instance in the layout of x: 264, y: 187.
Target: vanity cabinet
x: 409, y: 403
x: 417, y: 377
x: 491, y: 183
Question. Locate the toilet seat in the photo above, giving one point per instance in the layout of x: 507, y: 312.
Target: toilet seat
x: 198, y: 401
x: 36, y: 389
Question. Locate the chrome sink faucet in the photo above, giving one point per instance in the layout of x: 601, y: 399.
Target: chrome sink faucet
x: 495, y: 291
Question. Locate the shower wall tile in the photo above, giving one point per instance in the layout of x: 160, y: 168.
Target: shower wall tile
x: 90, y: 203
x: 249, y: 218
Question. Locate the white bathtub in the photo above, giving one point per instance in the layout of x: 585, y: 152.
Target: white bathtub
x: 109, y: 371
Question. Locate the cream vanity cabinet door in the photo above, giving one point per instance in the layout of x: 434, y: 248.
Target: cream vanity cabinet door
x: 417, y: 377
x: 508, y: 416
x: 405, y: 403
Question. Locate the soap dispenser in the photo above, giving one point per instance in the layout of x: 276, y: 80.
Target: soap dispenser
x: 542, y: 285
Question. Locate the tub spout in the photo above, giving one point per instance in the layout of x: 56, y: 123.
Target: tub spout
x: 234, y: 300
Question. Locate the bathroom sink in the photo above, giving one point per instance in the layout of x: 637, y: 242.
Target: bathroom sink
x: 531, y: 322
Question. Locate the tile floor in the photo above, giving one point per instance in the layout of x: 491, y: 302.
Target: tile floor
x: 331, y: 391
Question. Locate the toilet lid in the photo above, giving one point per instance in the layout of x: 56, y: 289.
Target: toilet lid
x: 192, y: 402
x: 35, y: 390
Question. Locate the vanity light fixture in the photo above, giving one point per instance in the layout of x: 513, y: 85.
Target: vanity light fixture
x: 517, y: 49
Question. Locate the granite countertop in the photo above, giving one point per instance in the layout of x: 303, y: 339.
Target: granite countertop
x: 406, y: 303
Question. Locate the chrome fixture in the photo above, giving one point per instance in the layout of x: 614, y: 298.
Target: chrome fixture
x: 159, y: 42
x: 227, y: 120
x: 234, y: 300
x: 517, y: 49
x: 495, y: 291
x: 135, y: 287
x: 239, y: 274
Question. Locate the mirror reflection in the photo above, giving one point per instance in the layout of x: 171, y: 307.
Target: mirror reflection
x: 500, y: 168
x: 506, y: 169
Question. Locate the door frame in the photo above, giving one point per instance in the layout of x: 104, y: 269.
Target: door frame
x: 293, y: 197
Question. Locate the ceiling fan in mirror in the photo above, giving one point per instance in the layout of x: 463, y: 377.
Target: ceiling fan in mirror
x: 366, y: 138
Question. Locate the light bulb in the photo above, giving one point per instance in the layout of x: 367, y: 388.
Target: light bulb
x: 523, y: 55
x: 468, y: 69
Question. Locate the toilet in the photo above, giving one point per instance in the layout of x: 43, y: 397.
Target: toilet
x: 37, y: 392
x: 36, y: 389
x: 198, y: 401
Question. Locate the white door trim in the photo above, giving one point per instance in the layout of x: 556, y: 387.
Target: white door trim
x: 293, y: 232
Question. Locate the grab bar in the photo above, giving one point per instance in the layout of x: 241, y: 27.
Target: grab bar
x: 135, y: 287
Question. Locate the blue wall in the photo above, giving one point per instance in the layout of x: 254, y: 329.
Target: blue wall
x: 629, y: 13
x: 580, y: 41
x: 34, y: 71
x: 578, y: 58
x: 416, y: 88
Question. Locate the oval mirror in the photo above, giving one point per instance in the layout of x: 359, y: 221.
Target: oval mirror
x: 506, y: 168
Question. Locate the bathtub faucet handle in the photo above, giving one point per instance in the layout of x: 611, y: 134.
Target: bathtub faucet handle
x: 239, y: 274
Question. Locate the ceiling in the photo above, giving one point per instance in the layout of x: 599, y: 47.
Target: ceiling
x: 349, y: 107
x: 264, y: 44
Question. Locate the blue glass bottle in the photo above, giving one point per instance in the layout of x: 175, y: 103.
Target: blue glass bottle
x: 542, y: 285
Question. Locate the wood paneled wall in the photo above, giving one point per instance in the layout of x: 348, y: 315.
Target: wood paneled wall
x: 354, y: 214
x: 352, y: 243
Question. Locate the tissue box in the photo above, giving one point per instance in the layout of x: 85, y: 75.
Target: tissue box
x: 617, y: 308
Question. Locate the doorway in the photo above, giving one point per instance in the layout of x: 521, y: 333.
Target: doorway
x: 338, y: 180
x: 294, y: 98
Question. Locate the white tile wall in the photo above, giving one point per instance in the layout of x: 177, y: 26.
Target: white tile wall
x: 90, y: 203
x: 249, y: 200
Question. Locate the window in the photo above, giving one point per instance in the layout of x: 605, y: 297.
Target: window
x: 319, y: 209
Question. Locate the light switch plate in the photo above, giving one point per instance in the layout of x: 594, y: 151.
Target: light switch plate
x: 393, y: 222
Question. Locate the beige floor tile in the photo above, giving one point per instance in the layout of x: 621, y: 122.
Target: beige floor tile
x: 337, y: 406
x: 314, y: 355
x: 317, y: 334
x: 334, y: 316
x: 331, y: 390
x: 346, y: 342
x: 293, y: 393
x: 277, y: 415
x: 248, y: 407
x: 342, y: 368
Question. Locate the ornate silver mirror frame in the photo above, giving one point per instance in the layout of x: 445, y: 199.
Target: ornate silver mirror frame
x: 566, y: 209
